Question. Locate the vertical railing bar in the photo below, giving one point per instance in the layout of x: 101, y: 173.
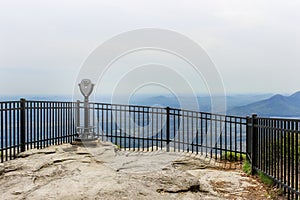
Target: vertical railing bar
x: 2, y: 131
x: 67, y: 117
x: 129, y: 127
x: 102, y: 121
x: 168, y: 129
x: 40, y: 110
x: 262, y: 131
x: 37, y: 124
x: 56, y: 123
x: 106, y: 126
x: 10, y: 130
x: 192, y: 132
x: 235, y: 136
x: 274, y: 158
x: 64, y: 132
x: 216, y: 135
x: 241, y: 137
x: 297, y: 159
x: 13, y: 130
x: 267, y: 146
x: 183, y: 129
x: 221, y: 136
x: 197, y: 133
x: 265, y: 158
x: 6, y: 127
x: 281, y: 150
x: 138, y: 114
x: 187, y: 131
x: 152, y: 128
x: 211, y: 133
x: 226, y: 138
x: 115, y: 133
x: 28, y: 125
x: 148, y: 130
x: 271, y: 151
x: 161, y: 127
x: 143, y: 127
x: 178, y: 130
x: 278, y: 152
x: 120, y: 126
x: 34, y: 125
x: 174, y: 130
x: 52, y: 123
x: 284, y: 172
x: 270, y: 148
x: 18, y: 108
x: 134, y: 127
x: 293, y: 155
x: 201, y: 121
x: 125, y: 131
x: 289, y: 158
x: 230, y: 138
x: 45, y: 124
x: 111, y: 123
x: 61, y: 122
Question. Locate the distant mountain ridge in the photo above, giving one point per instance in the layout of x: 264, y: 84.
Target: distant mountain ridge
x: 277, y: 105
x: 204, y: 102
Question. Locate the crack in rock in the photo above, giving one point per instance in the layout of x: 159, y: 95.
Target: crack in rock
x: 192, y: 188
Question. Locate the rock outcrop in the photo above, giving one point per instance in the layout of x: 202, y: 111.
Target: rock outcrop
x: 104, y: 172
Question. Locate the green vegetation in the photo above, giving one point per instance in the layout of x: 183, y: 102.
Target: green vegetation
x: 265, y: 179
x: 247, y: 167
x: 232, y: 156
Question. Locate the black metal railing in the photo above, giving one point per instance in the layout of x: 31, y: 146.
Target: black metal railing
x: 271, y: 145
x: 152, y: 128
x: 34, y: 124
x: 275, y: 151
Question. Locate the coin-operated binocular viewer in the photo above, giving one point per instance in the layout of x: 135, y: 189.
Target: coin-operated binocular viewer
x: 85, y: 132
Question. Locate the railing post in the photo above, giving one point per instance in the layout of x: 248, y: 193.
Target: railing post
x: 254, y: 133
x: 23, y: 124
x: 168, y: 128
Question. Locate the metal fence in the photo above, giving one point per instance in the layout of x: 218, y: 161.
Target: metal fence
x: 273, y: 148
x: 271, y: 145
x: 152, y: 128
x: 34, y: 124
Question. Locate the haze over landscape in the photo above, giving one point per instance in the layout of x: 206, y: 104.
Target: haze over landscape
x: 253, y: 44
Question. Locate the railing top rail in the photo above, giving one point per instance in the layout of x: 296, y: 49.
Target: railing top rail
x: 176, y: 109
x: 127, y: 105
x: 5, y: 102
x: 42, y: 101
x: 279, y: 119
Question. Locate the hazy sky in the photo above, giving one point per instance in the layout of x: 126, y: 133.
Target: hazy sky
x: 254, y: 44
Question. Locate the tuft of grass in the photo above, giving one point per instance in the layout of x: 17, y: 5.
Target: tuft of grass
x: 232, y: 156
x: 247, y: 167
x: 265, y: 179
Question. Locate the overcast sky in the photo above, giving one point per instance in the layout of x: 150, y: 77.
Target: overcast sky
x: 254, y: 44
